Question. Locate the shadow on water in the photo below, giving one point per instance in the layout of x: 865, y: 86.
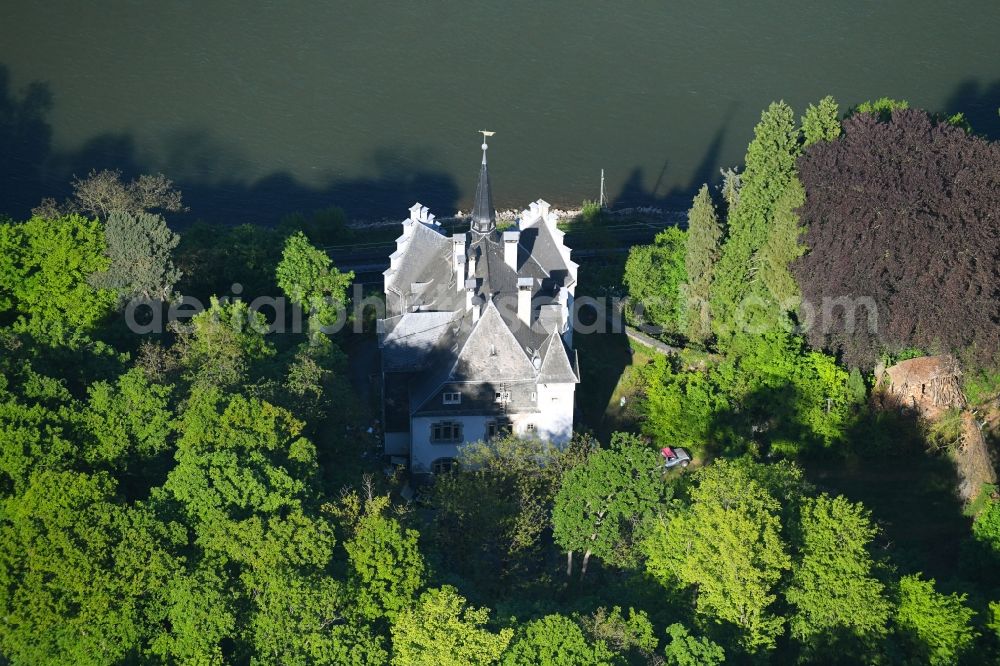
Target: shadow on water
x: 204, y: 168
x: 981, y: 105
x: 635, y: 193
x: 25, y: 144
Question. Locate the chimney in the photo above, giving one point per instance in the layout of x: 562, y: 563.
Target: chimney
x: 524, y: 286
x: 477, y: 308
x: 510, y: 239
x: 471, y: 260
x: 470, y: 292
x: 458, y: 260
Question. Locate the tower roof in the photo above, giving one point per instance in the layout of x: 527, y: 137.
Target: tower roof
x: 484, y: 217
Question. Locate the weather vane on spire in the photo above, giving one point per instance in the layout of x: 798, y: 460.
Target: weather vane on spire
x: 485, y: 134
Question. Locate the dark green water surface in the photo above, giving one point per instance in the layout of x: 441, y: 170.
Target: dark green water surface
x: 258, y: 108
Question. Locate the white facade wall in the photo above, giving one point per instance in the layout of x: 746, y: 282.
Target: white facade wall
x: 423, y: 452
x: 554, y: 422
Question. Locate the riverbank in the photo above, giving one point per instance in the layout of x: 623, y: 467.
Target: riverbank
x: 565, y: 217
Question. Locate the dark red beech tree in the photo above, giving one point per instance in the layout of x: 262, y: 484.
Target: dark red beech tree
x: 905, y: 212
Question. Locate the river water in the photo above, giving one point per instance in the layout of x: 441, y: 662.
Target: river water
x: 258, y: 108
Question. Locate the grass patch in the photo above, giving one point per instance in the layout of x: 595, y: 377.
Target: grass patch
x: 609, y: 365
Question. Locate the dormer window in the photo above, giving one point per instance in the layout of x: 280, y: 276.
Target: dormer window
x: 452, y: 398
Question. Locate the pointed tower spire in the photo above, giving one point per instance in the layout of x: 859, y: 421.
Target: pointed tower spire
x: 484, y: 217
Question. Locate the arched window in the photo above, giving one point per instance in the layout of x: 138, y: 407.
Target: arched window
x: 443, y: 465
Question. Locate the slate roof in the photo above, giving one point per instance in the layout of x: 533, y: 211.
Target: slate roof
x: 492, y: 272
x: 556, y: 367
x: 491, y: 352
x: 484, y: 216
x: 413, y: 337
x: 424, y: 275
x: 434, y: 339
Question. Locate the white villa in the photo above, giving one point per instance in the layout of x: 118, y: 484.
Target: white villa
x: 477, y: 338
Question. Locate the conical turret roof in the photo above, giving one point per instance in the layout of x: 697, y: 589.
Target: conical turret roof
x: 484, y: 216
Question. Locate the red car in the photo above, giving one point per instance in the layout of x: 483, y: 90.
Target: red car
x: 675, y: 456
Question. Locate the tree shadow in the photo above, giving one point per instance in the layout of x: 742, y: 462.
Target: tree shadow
x: 207, y: 170
x: 881, y: 462
x: 635, y: 193
x: 980, y: 103
x: 25, y: 143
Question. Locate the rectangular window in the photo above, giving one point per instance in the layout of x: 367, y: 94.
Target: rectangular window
x: 531, y: 427
x: 452, y: 398
x: 496, y: 429
x: 501, y: 396
x: 446, y: 432
x: 534, y: 396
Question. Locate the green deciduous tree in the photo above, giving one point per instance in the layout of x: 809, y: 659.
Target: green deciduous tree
x: 39, y: 430
x: 687, y: 650
x: 555, y: 640
x: 308, y: 277
x: 491, y: 514
x: 936, y: 627
x: 128, y: 419
x: 704, y: 238
x: 441, y: 630
x: 315, y: 381
x: 387, y: 568
x: 76, y: 571
x: 986, y: 528
x: 881, y: 108
x: 680, y: 406
x: 602, y: 504
x: 833, y: 589
x: 821, y: 122
x: 654, y: 275
x: 139, y: 252
x: 194, y: 612
x: 728, y: 544
x: 300, y: 620
x: 44, y: 277
x: 783, y: 397
x: 219, y: 345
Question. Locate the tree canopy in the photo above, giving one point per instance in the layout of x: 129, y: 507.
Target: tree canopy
x: 902, y: 230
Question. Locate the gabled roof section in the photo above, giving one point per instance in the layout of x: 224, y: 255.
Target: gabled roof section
x: 491, y: 352
x: 419, y: 257
x: 556, y: 367
x: 537, y: 240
